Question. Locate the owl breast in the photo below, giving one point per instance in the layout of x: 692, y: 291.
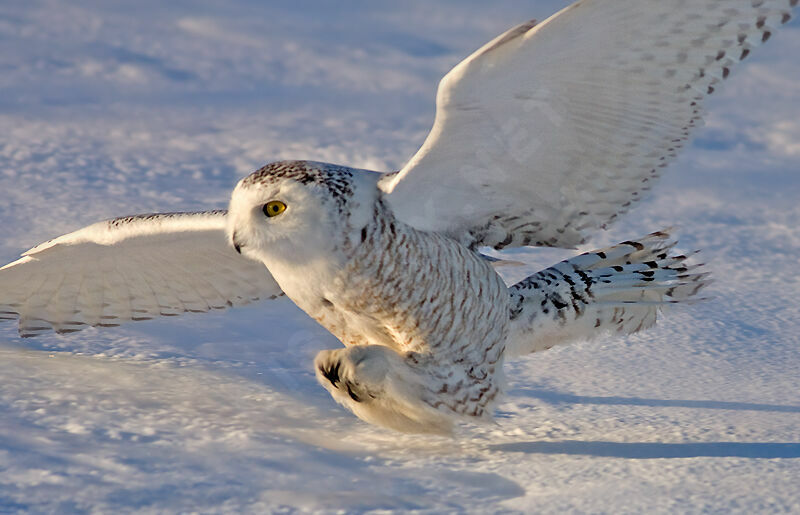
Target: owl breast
x: 415, y: 291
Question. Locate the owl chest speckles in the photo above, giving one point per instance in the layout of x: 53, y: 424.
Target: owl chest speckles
x: 415, y: 291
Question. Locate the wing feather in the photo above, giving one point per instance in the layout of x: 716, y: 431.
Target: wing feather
x: 552, y: 131
x: 131, y: 268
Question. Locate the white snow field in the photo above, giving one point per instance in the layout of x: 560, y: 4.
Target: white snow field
x: 110, y: 108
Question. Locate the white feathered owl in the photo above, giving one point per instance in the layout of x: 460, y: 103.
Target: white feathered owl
x: 544, y: 135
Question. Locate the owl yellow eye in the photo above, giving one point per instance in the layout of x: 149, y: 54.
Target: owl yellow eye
x: 274, y: 208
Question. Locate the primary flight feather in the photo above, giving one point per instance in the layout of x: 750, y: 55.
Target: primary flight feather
x: 544, y: 135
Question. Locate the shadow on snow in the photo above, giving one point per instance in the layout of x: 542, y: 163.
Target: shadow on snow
x: 642, y: 450
x: 551, y: 397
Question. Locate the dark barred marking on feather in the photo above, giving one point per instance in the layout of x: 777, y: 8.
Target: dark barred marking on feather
x: 336, y: 179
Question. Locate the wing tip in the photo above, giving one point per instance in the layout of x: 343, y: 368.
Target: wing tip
x: 22, y: 260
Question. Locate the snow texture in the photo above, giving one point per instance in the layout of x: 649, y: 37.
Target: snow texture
x: 113, y: 108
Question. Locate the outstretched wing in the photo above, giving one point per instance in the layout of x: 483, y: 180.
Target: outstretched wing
x: 553, y: 130
x: 133, y: 268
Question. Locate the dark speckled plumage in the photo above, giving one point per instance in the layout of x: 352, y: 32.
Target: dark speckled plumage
x: 337, y: 180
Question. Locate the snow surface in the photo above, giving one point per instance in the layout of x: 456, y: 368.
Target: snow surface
x: 110, y: 108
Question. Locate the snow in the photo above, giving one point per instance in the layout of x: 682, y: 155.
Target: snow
x: 112, y: 108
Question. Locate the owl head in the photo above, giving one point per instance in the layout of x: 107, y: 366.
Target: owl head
x: 297, y: 210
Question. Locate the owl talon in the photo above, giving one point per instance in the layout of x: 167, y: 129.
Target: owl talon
x: 331, y: 373
x: 354, y: 374
x: 352, y: 394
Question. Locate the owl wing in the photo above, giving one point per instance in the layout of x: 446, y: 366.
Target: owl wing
x: 552, y: 131
x: 132, y: 268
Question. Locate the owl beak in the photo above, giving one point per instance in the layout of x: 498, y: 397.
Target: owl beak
x: 236, y: 245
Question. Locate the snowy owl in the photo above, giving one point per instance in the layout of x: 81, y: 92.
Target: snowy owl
x: 543, y: 135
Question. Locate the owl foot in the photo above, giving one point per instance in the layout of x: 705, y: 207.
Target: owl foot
x: 330, y: 371
x: 378, y: 386
x: 355, y: 372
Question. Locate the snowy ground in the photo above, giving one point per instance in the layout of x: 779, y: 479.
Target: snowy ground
x: 110, y: 108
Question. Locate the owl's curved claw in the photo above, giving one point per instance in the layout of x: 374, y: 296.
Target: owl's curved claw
x: 339, y: 369
x: 331, y: 373
x: 351, y: 393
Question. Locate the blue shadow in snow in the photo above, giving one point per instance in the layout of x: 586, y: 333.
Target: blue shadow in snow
x: 552, y: 397
x: 644, y: 451
x: 124, y: 55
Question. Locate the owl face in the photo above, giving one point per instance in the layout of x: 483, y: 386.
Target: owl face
x: 299, y: 210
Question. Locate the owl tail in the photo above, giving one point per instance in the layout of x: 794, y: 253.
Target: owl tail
x: 616, y: 289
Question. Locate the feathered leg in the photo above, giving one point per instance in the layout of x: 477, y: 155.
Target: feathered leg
x: 381, y: 387
x: 408, y: 392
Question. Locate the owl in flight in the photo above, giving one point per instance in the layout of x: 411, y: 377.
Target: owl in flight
x: 544, y: 135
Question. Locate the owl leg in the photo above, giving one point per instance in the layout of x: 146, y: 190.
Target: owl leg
x: 380, y: 386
